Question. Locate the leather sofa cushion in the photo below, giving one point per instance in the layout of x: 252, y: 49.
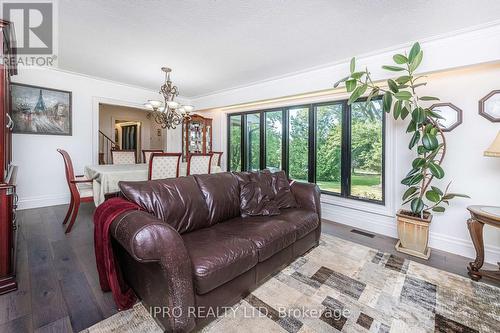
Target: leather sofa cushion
x: 263, y: 177
x: 269, y: 234
x: 257, y: 197
x: 304, y: 221
x: 282, y: 194
x: 218, y: 258
x: 222, y: 195
x: 176, y: 201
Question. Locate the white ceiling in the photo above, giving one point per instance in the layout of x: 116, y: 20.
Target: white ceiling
x: 215, y: 45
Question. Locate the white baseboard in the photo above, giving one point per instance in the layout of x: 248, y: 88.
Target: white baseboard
x: 42, y: 201
x: 386, y: 225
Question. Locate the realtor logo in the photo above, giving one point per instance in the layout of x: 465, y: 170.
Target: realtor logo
x: 34, y: 26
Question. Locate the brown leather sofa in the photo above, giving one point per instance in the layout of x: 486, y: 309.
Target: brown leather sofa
x: 190, y: 254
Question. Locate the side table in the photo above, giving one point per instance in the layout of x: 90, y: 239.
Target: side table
x: 481, y: 215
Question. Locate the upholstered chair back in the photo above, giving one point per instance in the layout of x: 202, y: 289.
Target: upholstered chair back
x: 216, y: 158
x: 123, y: 156
x: 164, y: 165
x: 199, y: 164
x: 146, y: 154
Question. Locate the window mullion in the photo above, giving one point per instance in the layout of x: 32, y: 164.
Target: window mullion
x: 262, y: 133
x: 346, y: 150
x: 312, y: 145
x: 244, y: 141
x: 285, y: 141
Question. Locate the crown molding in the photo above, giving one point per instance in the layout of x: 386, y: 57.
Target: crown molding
x: 96, y: 78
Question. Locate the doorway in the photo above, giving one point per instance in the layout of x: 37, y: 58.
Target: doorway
x: 128, y: 134
x: 122, y: 127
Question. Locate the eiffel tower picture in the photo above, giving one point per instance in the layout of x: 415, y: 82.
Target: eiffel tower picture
x: 40, y: 104
x: 39, y: 110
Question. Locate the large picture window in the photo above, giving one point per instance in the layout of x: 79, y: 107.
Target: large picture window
x: 329, y: 146
x: 253, y: 141
x: 298, y: 143
x: 235, y: 144
x: 274, y: 135
x: 366, y: 150
x: 338, y: 146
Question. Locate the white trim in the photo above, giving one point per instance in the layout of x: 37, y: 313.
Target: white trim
x: 386, y: 225
x: 97, y: 78
x: 42, y: 201
x: 463, y: 247
x: 357, y: 205
x: 378, y: 223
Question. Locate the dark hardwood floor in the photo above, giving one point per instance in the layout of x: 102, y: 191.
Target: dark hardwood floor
x: 58, y: 285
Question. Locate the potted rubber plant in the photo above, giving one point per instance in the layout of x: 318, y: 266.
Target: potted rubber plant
x: 400, y: 97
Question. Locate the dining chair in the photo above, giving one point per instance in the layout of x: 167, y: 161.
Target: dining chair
x: 146, y: 154
x: 123, y: 156
x: 217, y: 157
x: 164, y: 165
x: 80, y: 189
x: 199, y: 164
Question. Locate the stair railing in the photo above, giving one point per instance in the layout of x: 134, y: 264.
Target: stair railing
x: 106, y: 145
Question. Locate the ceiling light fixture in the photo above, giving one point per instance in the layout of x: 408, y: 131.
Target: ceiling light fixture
x: 168, y: 113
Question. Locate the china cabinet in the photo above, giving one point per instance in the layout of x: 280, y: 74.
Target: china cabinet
x: 196, y: 136
x: 8, y: 196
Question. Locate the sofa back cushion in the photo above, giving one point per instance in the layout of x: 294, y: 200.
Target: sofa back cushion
x: 222, y: 195
x: 282, y: 194
x: 176, y: 201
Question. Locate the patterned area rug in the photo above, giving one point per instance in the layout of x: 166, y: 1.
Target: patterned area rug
x: 343, y: 286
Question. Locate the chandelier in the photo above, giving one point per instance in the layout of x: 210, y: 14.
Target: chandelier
x: 168, y: 113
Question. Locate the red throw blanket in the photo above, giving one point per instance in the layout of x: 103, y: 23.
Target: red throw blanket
x: 109, y: 273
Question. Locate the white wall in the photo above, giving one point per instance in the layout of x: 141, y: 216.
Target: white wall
x: 463, y: 48
x: 458, y: 78
x: 41, y: 180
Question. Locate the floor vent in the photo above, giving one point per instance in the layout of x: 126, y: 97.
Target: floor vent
x: 359, y: 232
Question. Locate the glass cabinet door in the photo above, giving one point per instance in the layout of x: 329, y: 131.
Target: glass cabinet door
x: 208, y: 138
x: 195, y: 137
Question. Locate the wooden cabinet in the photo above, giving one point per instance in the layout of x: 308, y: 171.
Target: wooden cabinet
x: 196, y: 136
x: 7, y: 171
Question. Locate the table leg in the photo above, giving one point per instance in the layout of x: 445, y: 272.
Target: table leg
x: 476, y: 233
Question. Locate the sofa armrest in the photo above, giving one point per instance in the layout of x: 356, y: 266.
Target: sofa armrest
x: 148, y: 239
x: 307, y: 196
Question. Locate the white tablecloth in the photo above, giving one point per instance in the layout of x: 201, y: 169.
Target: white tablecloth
x: 106, y: 177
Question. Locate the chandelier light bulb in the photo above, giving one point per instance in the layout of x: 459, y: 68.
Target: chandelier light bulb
x: 173, y: 104
x: 155, y: 104
x: 188, y: 108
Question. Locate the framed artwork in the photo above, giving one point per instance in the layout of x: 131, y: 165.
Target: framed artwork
x: 452, y: 115
x: 38, y: 110
x: 489, y: 106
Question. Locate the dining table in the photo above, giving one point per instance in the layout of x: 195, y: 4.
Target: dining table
x: 105, y: 177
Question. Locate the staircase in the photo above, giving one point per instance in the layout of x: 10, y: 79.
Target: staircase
x: 106, y: 145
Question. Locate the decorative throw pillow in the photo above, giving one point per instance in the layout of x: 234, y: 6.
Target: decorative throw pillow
x: 255, y: 201
x: 257, y: 193
x: 264, y: 178
x: 282, y: 194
